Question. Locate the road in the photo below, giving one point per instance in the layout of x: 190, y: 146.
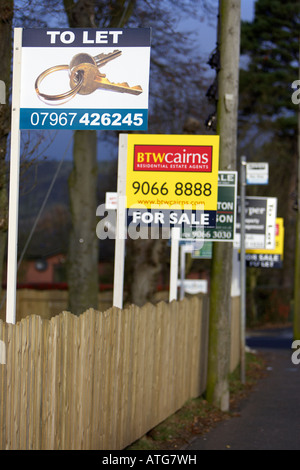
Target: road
x: 270, y: 416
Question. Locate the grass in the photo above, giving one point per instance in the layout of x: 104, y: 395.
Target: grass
x: 197, y: 416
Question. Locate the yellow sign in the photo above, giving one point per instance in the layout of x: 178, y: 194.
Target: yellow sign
x: 172, y: 170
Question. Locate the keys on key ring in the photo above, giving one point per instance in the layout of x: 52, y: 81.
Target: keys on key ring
x: 91, y: 79
x: 85, y: 77
x: 63, y: 96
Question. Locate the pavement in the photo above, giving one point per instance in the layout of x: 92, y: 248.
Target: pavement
x: 269, y: 418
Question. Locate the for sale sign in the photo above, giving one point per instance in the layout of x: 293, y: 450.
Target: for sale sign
x: 175, y: 177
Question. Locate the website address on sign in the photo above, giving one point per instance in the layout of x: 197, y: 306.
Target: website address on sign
x: 170, y: 202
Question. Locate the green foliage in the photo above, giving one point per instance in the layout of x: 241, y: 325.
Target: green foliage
x: 268, y: 132
x: 271, y: 43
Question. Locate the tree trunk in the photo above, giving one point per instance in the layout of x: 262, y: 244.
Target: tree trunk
x: 83, y: 252
x: 144, y: 265
x: 83, y: 255
x: 220, y: 295
x: 6, y: 15
x: 83, y: 245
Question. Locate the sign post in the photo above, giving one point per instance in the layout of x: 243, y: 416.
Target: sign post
x: 12, y: 248
x: 243, y: 268
x: 175, y: 234
x: 121, y: 225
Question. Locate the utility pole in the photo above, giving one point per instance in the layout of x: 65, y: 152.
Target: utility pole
x: 217, y: 391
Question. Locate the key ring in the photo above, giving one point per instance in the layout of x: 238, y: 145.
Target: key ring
x: 68, y: 94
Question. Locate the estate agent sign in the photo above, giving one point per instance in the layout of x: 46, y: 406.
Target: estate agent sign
x: 260, y: 221
x: 172, y: 180
x: 85, y: 78
x: 269, y: 258
x: 226, y: 212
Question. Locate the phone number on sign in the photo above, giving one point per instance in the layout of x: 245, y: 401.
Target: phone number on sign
x: 86, y: 120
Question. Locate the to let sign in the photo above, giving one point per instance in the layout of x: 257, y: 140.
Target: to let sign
x: 85, y: 78
x: 269, y: 258
x: 260, y: 222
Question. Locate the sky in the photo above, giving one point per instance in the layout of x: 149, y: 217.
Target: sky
x: 207, y: 43
x: 207, y: 31
x: 247, y: 10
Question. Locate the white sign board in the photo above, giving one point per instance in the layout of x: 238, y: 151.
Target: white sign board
x: 85, y: 79
x: 111, y: 201
x: 257, y: 173
x: 260, y: 223
x: 194, y: 286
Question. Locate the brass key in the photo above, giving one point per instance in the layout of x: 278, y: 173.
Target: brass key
x: 98, y: 60
x: 91, y: 79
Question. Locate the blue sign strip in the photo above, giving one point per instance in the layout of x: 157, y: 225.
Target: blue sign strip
x: 86, y: 37
x: 185, y: 219
x: 100, y: 119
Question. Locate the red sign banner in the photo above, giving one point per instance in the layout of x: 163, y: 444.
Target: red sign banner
x: 190, y: 158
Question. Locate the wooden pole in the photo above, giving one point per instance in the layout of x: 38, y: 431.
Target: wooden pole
x: 220, y: 293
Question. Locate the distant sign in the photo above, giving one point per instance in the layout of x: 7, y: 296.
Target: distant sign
x: 85, y: 78
x: 226, y: 212
x: 194, y: 286
x: 203, y: 253
x: 111, y: 201
x: 269, y: 258
x: 257, y: 173
x: 260, y: 219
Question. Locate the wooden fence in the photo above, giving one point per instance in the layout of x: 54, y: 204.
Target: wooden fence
x: 103, y: 379
x: 47, y: 303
